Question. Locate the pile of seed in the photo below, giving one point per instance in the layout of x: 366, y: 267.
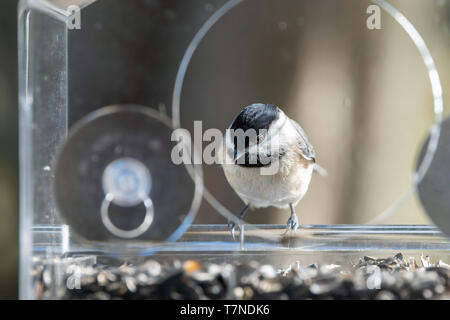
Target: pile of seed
x: 371, y: 278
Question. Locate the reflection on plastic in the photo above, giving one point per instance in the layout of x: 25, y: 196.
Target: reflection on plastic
x: 427, y: 59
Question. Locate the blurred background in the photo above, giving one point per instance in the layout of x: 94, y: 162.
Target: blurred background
x: 8, y: 150
x: 362, y: 96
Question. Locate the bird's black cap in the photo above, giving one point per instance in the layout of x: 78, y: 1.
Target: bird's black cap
x: 256, y: 116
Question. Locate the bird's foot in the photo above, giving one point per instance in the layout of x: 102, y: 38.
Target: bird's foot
x: 233, y: 227
x: 292, y: 223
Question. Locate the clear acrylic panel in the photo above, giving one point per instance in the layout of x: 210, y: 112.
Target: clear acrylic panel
x: 368, y: 97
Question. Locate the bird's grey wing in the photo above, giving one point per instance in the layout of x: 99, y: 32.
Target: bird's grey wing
x: 305, y: 147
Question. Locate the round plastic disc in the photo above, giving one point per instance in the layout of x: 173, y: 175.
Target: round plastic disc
x: 434, y: 188
x: 115, y: 180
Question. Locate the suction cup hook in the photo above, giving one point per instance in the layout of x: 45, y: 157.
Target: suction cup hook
x: 115, y: 180
x: 127, y: 182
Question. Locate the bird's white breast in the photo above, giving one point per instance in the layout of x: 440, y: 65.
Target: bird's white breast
x: 288, y: 185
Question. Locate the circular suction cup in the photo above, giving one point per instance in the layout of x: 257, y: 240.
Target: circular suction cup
x: 115, y: 179
x: 434, y: 188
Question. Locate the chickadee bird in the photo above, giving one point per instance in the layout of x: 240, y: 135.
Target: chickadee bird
x: 273, y: 166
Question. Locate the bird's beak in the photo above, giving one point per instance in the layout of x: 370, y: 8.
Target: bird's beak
x: 238, y: 155
x: 250, y: 150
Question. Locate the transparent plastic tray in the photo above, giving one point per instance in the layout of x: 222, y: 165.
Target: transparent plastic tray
x: 337, y: 244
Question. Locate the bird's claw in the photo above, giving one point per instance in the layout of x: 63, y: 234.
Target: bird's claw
x: 233, y: 226
x: 292, y: 224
